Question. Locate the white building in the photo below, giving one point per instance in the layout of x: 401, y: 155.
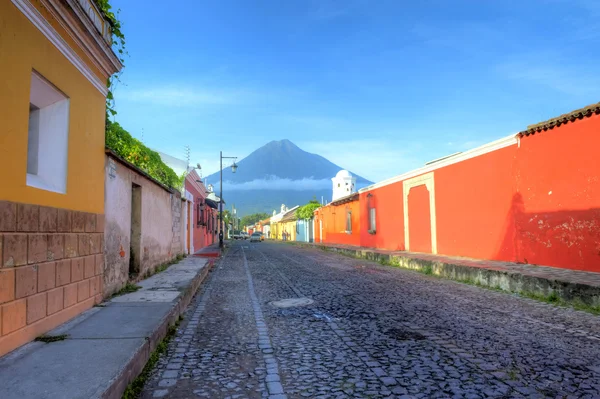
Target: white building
x: 343, y: 184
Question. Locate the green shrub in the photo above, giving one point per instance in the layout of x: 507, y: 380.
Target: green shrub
x: 134, y: 151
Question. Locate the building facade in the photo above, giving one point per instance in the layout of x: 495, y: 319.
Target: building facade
x: 56, y: 60
x: 533, y: 197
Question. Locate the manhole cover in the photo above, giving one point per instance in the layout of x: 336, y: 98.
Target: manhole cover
x: 292, y: 302
x: 404, y: 335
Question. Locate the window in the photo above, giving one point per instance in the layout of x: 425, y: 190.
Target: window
x: 372, y: 220
x: 200, y: 213
x: 47, y: 136
x: 349, y: 221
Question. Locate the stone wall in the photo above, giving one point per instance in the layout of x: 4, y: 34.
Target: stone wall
x: 159, y: 223
x: 51, y: 267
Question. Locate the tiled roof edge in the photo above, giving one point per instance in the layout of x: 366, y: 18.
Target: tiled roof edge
x: 581, y: 113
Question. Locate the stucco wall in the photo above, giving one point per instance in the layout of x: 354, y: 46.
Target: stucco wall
x: 24, y: 49
x: 334, y: 223
x: 161, y: 227
x: 534, y: 201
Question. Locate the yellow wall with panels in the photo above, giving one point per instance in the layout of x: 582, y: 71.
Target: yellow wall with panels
x: 23, y: 48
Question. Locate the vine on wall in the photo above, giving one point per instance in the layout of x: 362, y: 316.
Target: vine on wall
x: 118, y: 44
x: 118, y: 139
x: 132, y: 150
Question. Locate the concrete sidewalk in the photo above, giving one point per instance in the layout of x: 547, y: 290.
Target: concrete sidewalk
x: 572, y: 286
x: 106, y: 347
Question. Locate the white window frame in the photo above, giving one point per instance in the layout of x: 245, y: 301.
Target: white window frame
x: 348, y: 222
x: 372, y: 220
x: 48, y: 136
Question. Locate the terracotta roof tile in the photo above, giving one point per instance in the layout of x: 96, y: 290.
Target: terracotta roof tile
x: 581, y: 113
x: 345, y: 199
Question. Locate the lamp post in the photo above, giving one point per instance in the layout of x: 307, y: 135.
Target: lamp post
x: 233, y: 169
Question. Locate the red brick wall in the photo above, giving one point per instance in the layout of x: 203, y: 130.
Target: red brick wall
x: 51, y: 267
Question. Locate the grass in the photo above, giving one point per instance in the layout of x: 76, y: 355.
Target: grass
x: 135, y: 388
x: 51, y: 338
x: 164, y: 266
x: 129, y: 288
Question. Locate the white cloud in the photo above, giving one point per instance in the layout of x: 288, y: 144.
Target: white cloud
x: 276, y: 183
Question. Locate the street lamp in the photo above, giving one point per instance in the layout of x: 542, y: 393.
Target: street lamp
x: 233, y: 169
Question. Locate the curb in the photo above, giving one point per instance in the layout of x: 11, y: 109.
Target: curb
x: 506, y: 280
x: 136, y: 363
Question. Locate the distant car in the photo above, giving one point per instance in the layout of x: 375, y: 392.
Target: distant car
x: 236, y: 235
x: 256, y: 237
x: 244, y: 235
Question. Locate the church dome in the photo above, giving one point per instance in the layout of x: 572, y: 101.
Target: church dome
x: 343, y: 173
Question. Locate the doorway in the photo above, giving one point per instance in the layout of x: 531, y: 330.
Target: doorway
x: 135, y: 249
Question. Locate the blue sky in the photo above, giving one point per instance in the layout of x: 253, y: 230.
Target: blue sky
x: 378, y: 87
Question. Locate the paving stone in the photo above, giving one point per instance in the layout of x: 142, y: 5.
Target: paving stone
x: 372, y: 331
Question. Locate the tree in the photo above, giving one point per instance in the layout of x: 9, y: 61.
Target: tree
x: 250, y: 220
x: 307, y: 211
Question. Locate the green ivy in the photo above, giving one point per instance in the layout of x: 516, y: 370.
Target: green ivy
x: 132, y: 150
x: 307, y: 211
x: 118, y: 43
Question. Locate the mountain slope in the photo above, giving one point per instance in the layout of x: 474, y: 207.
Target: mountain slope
x: 277, y: 173
x: 283, y: 159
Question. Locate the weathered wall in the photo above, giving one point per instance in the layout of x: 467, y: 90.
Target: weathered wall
x: 24, y: 48
x: 556, y: 205
x: 51, y: 267
x: 178, y: 229
x: 161, y: 227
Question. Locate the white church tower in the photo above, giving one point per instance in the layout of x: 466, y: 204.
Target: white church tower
x: 343, y: 184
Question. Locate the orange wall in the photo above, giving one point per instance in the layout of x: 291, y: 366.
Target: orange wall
x: 334, y: 223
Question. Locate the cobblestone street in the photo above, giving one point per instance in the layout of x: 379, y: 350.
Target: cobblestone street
x: 371, y: 331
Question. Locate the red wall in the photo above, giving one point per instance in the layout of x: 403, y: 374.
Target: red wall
x: 535, y: 202
x: 389, y: 234
x: 202, y: 237
x: 473, y: 199
x: 557, y: 203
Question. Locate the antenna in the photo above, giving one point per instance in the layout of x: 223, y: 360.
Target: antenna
x: 142, y: 135
x: 187, y: 155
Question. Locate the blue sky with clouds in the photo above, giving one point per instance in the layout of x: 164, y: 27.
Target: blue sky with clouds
x: 378, y: 87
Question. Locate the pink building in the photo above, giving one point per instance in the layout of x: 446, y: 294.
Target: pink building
x: 202, y: 223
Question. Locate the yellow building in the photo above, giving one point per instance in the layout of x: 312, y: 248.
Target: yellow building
x: 56, y: 58
x: 284, y: 222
